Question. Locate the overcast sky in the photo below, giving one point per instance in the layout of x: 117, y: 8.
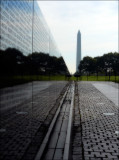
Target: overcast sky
x: 96, y: 20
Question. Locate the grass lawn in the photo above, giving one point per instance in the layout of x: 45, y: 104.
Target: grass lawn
x: 100, y: 78
x: 14, y: 80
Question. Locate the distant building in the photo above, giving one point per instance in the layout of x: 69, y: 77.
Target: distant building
x: 78, y: 56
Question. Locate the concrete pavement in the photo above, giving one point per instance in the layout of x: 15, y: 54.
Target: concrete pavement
x: 109, y: 90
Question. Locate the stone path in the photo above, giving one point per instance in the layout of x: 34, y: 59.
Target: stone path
x: 99, y: 124
x: 109, y: 91
x: 58, y: 143
x: 77, y: 148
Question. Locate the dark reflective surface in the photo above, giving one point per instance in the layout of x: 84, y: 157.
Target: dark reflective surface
x: 28, y: 56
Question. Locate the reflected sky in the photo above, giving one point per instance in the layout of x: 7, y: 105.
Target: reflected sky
x: 16, y: 28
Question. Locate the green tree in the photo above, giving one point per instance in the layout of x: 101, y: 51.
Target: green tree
x: 87, y: 65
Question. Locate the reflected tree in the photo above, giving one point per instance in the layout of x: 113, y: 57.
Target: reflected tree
x: 13, y: 62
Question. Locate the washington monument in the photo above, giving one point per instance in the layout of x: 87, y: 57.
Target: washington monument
x: 78, y: 57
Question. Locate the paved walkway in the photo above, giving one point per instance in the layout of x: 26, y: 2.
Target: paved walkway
x: 98, y: 128
x: 109, y: 91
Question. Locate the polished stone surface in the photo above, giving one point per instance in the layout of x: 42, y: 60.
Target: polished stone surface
x: 25, y: 114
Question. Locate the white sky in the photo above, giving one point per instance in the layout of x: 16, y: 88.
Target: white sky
x: 96, y: 20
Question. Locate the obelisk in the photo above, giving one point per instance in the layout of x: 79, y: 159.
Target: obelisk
x: 78, y: 57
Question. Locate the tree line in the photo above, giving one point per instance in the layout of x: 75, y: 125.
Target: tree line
x: 13, y: 62
x: 108, y: 64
